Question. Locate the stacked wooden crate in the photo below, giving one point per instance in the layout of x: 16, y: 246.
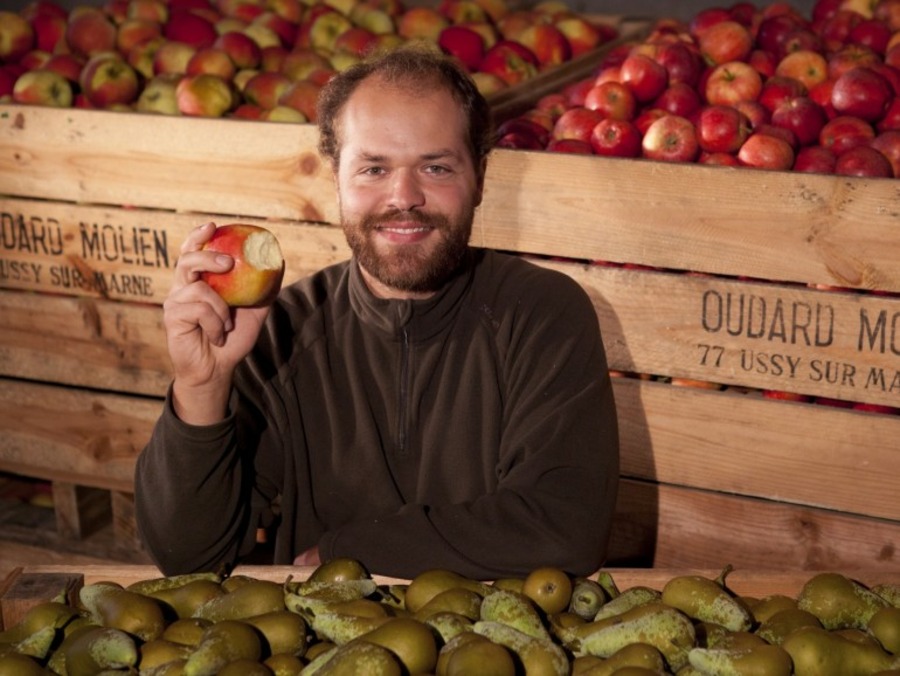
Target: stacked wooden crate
x: 744, y: 281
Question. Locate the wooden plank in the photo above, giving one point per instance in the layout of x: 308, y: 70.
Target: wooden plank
x: 80, y: 510
x: 761, y: 335
x: 802, y: 454
x: 77, y: 436
x: 829, y: 230
x: 711, y: 440
x: 806, y: 228
x: 666, y: 526
x: 127, y: 254
x: 225, y: 166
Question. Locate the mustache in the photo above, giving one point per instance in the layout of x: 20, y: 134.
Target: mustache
x: 373, y: 221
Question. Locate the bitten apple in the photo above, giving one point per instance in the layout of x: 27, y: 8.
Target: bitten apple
x: 255, y: 278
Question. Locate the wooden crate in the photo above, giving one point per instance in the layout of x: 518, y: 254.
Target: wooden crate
x: 749, y: 280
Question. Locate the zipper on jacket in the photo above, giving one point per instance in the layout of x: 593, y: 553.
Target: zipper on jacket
x: 404, y: 393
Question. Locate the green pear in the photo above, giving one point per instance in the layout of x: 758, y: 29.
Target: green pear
x: 839, y: 601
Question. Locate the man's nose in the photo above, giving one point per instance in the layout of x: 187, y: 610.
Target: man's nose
x: 406, y: 191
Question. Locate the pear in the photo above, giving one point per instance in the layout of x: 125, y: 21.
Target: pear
x: 92, y: 649
x: 483, y: 657
x: 640, y: 655
x: 112, y: 606
x: 185, y: 599
x: 339, y: 569
x: 428, y: 584
x: 356, y: 657
x: 759, y: 660
x: 767, y: 606
x: 626, y: 600
x: 242, y: 600
x: 450, y: 646
x: 885, y: 627
x: 284, y: 664
x: 539, y: 657
x: 186, y: 631
x: 37, y: 644
x: 706, y: 600
x: 889, y: 592
x: 413, y: 642
x: 47, y: 614
x: 449, y: 624
x: 15, y: 664
x: 283, y: 631
x: 819, y: 652
x: 458, y: 600
x: 667, y: 629
x: 781, y: 624
x: 340, y: 628
x: 244, y: 667
x: 223, y: 642
x: 839, y: 601
x: 159, y: 651
x: 587, y: 598
x: 154, y: 585
x: 515, y: 610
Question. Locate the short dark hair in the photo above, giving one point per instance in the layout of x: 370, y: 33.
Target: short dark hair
x: 420, y: 67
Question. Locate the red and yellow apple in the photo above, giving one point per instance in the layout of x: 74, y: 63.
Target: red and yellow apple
x: 255, y: 278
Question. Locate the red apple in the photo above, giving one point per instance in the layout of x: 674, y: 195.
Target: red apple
x: 731, y: 82
x: 773, y: 31
x: 255, y: 278
x: 488, y: 83
x: 576, y: 91
x: 159, y: 95
x: 301, y: 95
x: 523, y: 127
x: 265, y: 88
x: 172, y: 57
x: 148, y: 10
x: 718, y: 159
x: 802, y: 116
x: 190, y: 28
x: 43, y: 88
x: 510, y: 61
x: 725, y: 41
x: 721, y: 129
x: 679, y: 99
x: 815, y: 159
x: 763, y: 62
x: 805, y: 66
x: 212, y: 60
x: 576, y: 123
x: 765, y: 151
x: 888, y: 12
x: 67, y: 65
x: 835, y: 30
x: 848, y: 57
x: 90, y: 31
x: 647, y: 117
x: 891, y: 117
x: 612, y: 100
x: 644, y: 76
x: 581, y: 34
x: 49, y: 31
x: 863, y: 161
x: 241, y: 49
x: 871, y: 33
x: 133, y: 32
x: 205, y: 95
x: 107, y: 80
x: 616, y: 138
x: 803, y: 40
x: 421, y: 22
x: 778, y: 89
x: 861, y: 92
x: 671, y: 138
x: 554, y: 103
x: 845, y: 132
x: 16, y: 37
x: 755, y: 112
x: 705, y: 18
x: 888, y: 144
x: 464, y: 43
x: 547, y: 43
x: 569, y: 145
x: 681, y: 61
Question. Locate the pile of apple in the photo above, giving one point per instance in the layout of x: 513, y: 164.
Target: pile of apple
x: 741, y: 86
x: 261, y: 59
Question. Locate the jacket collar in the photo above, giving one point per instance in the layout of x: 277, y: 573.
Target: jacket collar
x: 419, y: 319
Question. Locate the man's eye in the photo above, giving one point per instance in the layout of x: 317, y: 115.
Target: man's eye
x: 437, y: 169
x: 373, y: 171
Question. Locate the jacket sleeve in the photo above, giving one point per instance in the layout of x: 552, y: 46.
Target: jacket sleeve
x: 190, y: 502
x: 558, y: 463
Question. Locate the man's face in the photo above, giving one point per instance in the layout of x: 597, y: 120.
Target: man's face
x: 407, y: 187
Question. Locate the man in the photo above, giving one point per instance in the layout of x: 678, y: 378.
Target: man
x: 423, y: 405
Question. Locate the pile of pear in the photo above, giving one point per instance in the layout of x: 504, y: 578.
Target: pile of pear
x: 341, y: 621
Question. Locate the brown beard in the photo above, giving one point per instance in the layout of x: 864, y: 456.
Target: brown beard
x: 409, y: 268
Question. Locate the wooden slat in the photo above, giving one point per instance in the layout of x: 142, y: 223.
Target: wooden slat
x: 226, y: 166
x: 666, y: 526
x: 783, y: 226
x: 710, y: 440
x: 76, y: 436
x: 127, y: 254
x: 796, y: 453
